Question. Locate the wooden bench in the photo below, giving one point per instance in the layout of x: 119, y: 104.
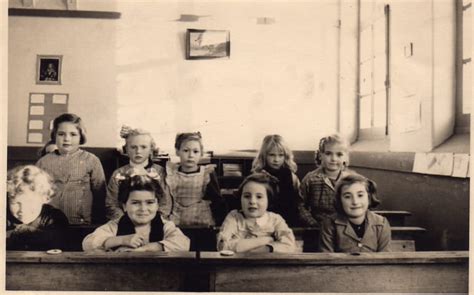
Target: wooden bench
x: 413, y: 272
x: 395, y: 217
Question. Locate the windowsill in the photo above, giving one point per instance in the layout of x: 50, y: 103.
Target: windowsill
x: 458, y: 144
x: 375, y: 154
x: 366, y: 145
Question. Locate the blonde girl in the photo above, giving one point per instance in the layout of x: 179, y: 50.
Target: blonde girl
x: 33, y: 224
x: 78, y: 174
x: 253, y: 228
x: 193, y: 187
x: 276, y: 158
x: 316, y: 197
x: 355, y: 228
x: 139, y: 146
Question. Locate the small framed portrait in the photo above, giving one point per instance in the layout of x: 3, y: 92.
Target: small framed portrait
x: 206, y: 44
x: 48, y: 69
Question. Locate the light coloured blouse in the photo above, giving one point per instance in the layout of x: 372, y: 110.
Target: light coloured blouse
x: 173, y: 240
x: 236, y: 227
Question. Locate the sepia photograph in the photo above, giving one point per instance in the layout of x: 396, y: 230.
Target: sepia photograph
x: 329, y: 153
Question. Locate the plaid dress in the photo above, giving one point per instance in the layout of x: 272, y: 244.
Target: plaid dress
x: 79, y: 179
x: 317, y: 197
x: 187, y: 191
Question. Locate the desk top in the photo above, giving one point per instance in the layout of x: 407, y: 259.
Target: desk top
x: 99, y: 257
x: 336, y: 258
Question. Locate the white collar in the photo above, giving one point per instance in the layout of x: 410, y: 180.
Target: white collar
x: 262, y: 220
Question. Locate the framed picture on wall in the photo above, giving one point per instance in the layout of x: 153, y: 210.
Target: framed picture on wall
x: 48, y: 69
x: 206, y: 44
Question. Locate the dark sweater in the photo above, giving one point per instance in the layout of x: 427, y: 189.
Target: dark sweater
x: 47, y: 231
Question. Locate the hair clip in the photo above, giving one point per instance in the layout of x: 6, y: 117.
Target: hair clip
x: 153, y: 174
x: 119, y: 176
x: 125, y: 131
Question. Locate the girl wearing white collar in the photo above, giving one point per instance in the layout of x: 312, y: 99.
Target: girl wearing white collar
x: 253, y: 228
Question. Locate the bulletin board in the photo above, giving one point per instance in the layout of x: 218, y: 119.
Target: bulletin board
x: 42, y: 109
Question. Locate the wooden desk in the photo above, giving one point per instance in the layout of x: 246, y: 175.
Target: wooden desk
x: 204, y: 239
x: 338, y: 272
x: 78, y: 271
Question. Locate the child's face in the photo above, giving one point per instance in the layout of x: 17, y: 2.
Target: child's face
x: 254, y: 200
x: 26, y: 206
x: 275, y: 158
x: 355, y: 200
x: 333, y: 157
x: 139, y: 148
x: 189, y: 153
x: 68, y: 138
x: 141, y: 207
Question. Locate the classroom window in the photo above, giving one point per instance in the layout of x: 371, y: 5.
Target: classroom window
x: 464, y: 66
x: 374, y: 72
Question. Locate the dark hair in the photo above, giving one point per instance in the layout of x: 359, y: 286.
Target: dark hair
x: 69, y: 118
x: 138, y: 183
x: 188, y: 136
x: 264, y: 178
x: 42, y: 152
x: 352, y: 178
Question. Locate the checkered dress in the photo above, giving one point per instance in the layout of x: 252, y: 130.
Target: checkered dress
x: 187, y: 192
x: 316, y: 197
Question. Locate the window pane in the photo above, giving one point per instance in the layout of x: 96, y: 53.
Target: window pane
x: 466, y: 88
x: 365, y: 111
x: 380, y: 72
x: 366, y: 78
x: 466, y: 32
x: 467, y: 58
x: 380, y: 112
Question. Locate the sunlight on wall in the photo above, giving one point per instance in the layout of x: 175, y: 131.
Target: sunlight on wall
x: 280, y: 78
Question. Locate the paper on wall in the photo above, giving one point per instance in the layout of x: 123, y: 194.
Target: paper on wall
x: 35, y: 124
x: 59, y: 99
x: 35, y: 137
x: 37, y: 110
x: 460, y: 165
x: 37, y: 98
x: 433, y: 163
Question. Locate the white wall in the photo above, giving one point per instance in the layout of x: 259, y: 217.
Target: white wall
x: 280, y: 78
x: 88, y: 72
x: 425, y: 80
x: 444, y: 70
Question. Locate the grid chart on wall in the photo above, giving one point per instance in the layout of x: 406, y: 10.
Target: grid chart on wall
x: 42, y: 109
